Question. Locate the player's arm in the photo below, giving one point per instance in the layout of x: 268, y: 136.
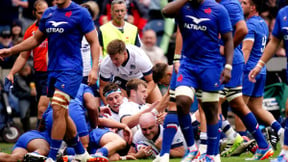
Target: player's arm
x: 172, y: 8
x: 102, y: 85
x: 241, y: 31
x: 144, y: 152
x: 26, y: 45
x: 228, y: 52
x: 177, y: 51
x: 247, y: 46
x: 91, y: 105
x: 18, y: 65
x: 92, y: 39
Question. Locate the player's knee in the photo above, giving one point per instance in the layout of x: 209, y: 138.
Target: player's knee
x: 60, y: 99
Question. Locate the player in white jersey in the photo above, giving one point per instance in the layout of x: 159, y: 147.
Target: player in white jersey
x: 147, y: 140
x: 125, y: 63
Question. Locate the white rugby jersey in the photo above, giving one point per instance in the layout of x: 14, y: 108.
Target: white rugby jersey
x: 86, y: 56
x: 178, y: 139
x: 137, y: 66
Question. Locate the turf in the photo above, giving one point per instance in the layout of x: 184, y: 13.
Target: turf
x: 6, y: 147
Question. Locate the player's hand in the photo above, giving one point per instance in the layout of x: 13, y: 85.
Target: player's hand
x: 5, y: 52
x: 225, y: 76
x: 161, y: 117
x: 10, y: 77
x: 158, y: 143
x: 176, y: 66
x: 128, y: 135
x: 104, y: 110
x: 145, y: 151
x: 92, y: 77
x: 253, y: 73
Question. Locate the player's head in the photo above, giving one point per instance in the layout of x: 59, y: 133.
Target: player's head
x: 118, y: 11
x: 149, y: 38
x: 38, y: 8
x: 113, y: 96
x: 161, y: 73
x: 137, y: 90
x: 148, y: 125
x: 117, y: 52
x: 195, y: 3
x: 92, y: 7
x: 250, y: 6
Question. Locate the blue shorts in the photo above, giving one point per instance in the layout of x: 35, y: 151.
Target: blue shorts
x: 204, y: 78
x: 94, y: 87
x: 66, y: 81
x: 25, y: 138
x: 173, y: 80
x: 41, y: 82
x: 95, y: 137
x: 77, y: 114
x: 254, y: 89
x: 236, y: 76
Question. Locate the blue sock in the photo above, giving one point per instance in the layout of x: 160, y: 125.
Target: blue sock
x: 171, y: 124
x: 212, y: 141
x: 253, y: 127
x: 187, y: 129
x: 104, y: 151
x: 76, y: 144
x: 69, y: 151
x: 286, y: 132
x: 54, y: 148
x: 276, y: 126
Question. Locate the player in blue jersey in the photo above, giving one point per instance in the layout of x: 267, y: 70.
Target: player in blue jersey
x: 200, y: 23
x: 31, y: 142
x: 253, y: 47
x: 64, y: 25
x: 232, y: 91
x: 279, y: 33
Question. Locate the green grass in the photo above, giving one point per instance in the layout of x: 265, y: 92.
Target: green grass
x: 6, y: 147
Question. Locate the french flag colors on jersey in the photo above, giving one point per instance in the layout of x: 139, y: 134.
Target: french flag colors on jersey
x: 236, y: 14
x: 64, y: 31
x: 200, y: 29
x: 258, y: 32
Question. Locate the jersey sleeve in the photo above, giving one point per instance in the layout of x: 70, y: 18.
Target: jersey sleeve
x: 86, y: 22
x: 144, y: 63
x: 277, y: 29
x: 105, y: 70
x: 224, y: 21
x: 251, y: 31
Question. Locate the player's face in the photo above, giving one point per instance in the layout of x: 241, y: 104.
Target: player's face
x: 149, y: 129
x: 40, y: 10
x: 165, y: 80
x: 118, y: 13
x: 141, y: 94
x: 61, y: 3
x: 114, y: 101
x: 118, y: 59
x: 246, y: 7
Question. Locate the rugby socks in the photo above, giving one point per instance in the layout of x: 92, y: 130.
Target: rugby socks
x: 171, y: 124
x: 203, y: 142
x: 228, y: 130
x: 187, y: 129
x: 76, y: 144
x: 286, y: 132
x: 54, y: 148
x: 252, y: 126
x: 213, y: 139
x: 103, y: 151
x: 276, y: 126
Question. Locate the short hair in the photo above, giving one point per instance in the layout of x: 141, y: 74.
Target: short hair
x: 36, y: 3
x: 116, y: 46
x: 158, y: 71
x: 118, y: 2
x: 259, y: 4
x: 133, y: 85
x: 92, y: 7
x: 110, y: 87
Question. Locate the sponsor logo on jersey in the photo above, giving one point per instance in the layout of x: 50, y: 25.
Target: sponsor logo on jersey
x: 68, y: 14
x: 208, y: 10
x: 196, y: 25
x: 55, y: 28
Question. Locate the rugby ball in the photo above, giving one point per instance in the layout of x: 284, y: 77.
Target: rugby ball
x: 154, y: 150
